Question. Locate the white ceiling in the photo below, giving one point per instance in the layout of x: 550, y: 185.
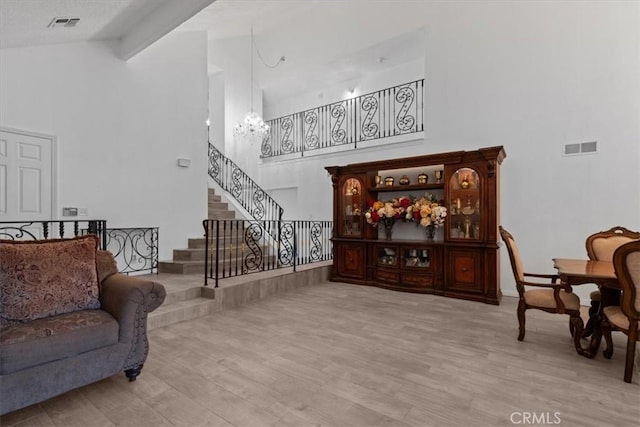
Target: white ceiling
x: 24, y: 22
x: 135, y: 24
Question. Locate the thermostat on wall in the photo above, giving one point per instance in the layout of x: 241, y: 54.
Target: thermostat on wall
x: 183, y: 162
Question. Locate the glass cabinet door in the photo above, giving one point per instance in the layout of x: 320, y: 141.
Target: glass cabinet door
x: 416, y: 258
x: 465, y: 212
x: 352, y: 199
x: 387, y: 256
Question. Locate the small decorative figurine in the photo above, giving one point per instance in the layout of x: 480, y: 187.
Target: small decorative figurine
x: 423, y: 178
x: 404, y: 180
x: 388, y: 181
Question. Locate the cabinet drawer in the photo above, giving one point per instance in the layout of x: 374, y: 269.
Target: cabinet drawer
x: 387, y: 276
x: 417, y: 281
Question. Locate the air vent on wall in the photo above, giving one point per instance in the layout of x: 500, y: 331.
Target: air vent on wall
x: 63, y: 22
x: 580, y: 148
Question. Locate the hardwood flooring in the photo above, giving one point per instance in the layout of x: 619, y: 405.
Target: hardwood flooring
x: 343, y: 355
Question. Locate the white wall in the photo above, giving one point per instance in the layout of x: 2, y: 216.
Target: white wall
x: 120, y: 128
x: 531, y: 76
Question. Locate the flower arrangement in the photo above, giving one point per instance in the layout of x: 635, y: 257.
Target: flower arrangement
x: 427, y: 212
x: 387, y: 211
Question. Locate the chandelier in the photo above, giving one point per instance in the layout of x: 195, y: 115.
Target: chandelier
x: 253, y: 127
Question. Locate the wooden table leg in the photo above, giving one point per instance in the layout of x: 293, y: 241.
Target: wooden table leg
x: 608, y: 297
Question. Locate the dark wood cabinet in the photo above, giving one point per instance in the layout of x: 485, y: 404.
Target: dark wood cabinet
x: 462, y: 260
x: 350, y: 261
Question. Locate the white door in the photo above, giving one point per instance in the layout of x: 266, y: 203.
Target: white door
x: 26, y: 177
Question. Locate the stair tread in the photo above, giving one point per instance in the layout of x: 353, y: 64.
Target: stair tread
x: 178, y: 305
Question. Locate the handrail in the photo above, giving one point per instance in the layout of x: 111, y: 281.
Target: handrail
x: 245, y: 190
x: 35, y: 230
x: 385, y: 113
x: 238, y: 247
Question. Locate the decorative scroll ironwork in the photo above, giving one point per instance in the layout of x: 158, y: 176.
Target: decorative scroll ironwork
x: 394, y: 111
x: 404, y: 120
x: 245, y: 190
x: 135, y: 249
x: 236, y: 247
x: 311, y: 124
x: 370, y: 107
x: 338, y: 133
x: 54, y: 229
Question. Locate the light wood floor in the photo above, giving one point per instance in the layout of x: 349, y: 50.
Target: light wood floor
x: 344, y: 355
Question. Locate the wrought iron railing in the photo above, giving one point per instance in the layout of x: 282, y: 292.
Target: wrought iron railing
x: 135, y: 249
x: 53, y: 229
x: 237, y: 247
x: 385, y: 113
x: 242, y: 188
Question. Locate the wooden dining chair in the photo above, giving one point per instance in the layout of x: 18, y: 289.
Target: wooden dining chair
x: 625, y: 317
x: 552, y: 297
x: 600, y: 247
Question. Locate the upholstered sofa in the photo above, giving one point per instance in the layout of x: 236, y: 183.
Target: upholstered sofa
x: 67, y: 319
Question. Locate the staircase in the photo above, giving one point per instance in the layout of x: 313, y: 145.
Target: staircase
x: 191, y: 259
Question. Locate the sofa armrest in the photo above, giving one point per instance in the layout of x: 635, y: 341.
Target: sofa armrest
x: 129, y: 299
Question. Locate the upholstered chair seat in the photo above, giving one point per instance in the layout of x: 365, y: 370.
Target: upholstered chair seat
x: 617, y: 318
x: 544, y: 298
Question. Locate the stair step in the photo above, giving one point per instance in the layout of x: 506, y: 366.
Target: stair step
x: 168, y: 314
x: 221, y: 214
x: 218, y: 205
x: 181, y: 267
x: 175, y: 295
x: 197, y: 266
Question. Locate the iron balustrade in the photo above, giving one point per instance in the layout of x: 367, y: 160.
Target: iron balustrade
x: 238, y: 247
x: 135, y: 249
x: 242, y: 188
x: 397, y: 110
x: 53, y: 229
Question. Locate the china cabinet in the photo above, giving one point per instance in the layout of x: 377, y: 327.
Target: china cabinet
x: 463, y: 259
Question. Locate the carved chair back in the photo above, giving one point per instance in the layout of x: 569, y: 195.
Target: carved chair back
x: 626, y: 261
x: 602, y: 245
x: 514, y: 257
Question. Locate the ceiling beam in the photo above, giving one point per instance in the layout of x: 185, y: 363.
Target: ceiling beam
x: 156, y: 25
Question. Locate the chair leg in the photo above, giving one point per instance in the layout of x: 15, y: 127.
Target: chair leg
x: 578, y: 327
x: 605, y: 327
x: 571, y: 327
x: 522, y: 306
x: 631, y: 351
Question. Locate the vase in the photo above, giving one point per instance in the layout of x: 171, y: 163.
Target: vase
x: 388, y: 229
x: 431, y: 231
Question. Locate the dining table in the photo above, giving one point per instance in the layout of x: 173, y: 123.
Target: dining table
x: 573, y: 272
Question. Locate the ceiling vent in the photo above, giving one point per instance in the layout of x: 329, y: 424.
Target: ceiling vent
x: 63, y: 22
x: 580, y: 148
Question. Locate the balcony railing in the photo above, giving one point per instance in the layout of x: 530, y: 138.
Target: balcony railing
x: 237, y: 247
x: 385, y: 113
x: 135, y: 249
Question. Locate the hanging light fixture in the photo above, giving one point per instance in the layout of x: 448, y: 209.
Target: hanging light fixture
x: 253, y: 127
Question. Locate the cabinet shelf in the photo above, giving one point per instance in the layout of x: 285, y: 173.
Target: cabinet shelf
x: 384, y: 188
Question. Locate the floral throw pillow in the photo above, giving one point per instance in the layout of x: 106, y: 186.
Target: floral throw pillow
x: 47, y: 277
